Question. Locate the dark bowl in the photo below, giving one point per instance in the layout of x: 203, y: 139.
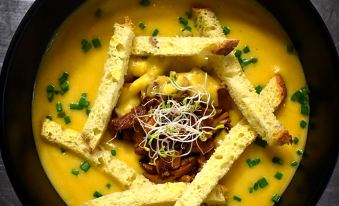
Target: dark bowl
x: 300, y: 20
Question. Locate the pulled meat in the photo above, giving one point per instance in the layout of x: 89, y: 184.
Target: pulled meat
x: 177, y: 167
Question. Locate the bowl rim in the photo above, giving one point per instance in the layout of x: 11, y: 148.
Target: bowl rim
x: 7, y: 64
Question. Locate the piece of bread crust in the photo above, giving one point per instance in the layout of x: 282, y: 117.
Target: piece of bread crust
x: 110, y: 165
x: 112, y: 81
x: 159, y: 194
x: 182, y: 46
x: 229, y: 150
x: 207, y: 23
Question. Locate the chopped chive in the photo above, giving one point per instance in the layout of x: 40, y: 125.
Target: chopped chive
x: 246, y: 49
x: 108, y: 186
x: 64, y: 77
x: 75, y: 106
x: 50, y: 92
x: 295, y: 140
x: 226, y: 30
x: 250, y: 190
x: 303, y: 124
x: 84, y: 166
x: 253, y: 162
x: 142, y: 25
x: 49, y: 117
x: 62, y: 150
x: 187, y: 28
x: 96, y: 43
x: 183, y: 21
x: 98, y: 12
x: 278, y: 175
x: 238, y: 53
x: 59, y: 107
x: 258, y: 89
x: 155, y: 32
x: 237, y: 198
x: 85, y: 45
x: 294, y: 163
x: 189, y: 14
x: 75, y: 172
x: 290, y: 48
x: 276, y: 198
x: 64, y: 87
x: 113, y: 152
x: 88, y: 111
x: 304, y: 109
x: 300, y: 152
x: 83, y: 102
x: 144, y: 2
x: 97, y: 194
x: 262, y: 182
x: 277, y: 160
x: 67, y: 119
x: 260, y: 142
x: 61, y: 114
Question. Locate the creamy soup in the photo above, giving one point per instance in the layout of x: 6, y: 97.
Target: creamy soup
x: 246, y: 20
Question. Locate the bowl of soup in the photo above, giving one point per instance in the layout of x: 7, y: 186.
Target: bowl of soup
x: 56, y: 61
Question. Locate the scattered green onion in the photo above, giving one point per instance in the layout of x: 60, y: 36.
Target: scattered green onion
x: 61, y: 114
x: 144, y: 2
x: 278, y: 175
x: 238, y: 54
x: 97, y: 194
x: 295, y: 140
x: 75, y: 106
x: 226, y: 30
x: 108, y: 186
x: 96, y: 43
x: 84, y: 166
x: 64, y: 77
x: 75, y: 172
x: 88, y: 111
x: 113, y: 152
x: 237, y: 198
x: 258, y: 89
x: 262, y: 182
x: 246, y: 49
x: 260, y: 142
x: 183, y: 21
x: 243, y: 61
x: 59, y: 107
x: 303, y: 124
x: 253, y: 162
x: 302, y: 97
x: 50, y: 92
x: 277, y: 160
x: 142, y: 26
x: 300, y: 152
x: 67, y: 119
x: 294, y: 163
x: 85, y: 45
x: 187, y: 28
x: 189, y: 14
x: 155, y: 32
x: 276, y: 198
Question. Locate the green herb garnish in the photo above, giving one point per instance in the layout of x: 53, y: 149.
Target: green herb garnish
x: 243, y: 61
x: 253, y: 162
x: 303, y: 124
x: 75, y: 172
x: 50, y: 92
x: 302, y: 97
x: 142, y: 26
x: 237, y: 198
x: 75, y: 106
x: 61, y: 114
x: 294, y: 163
x: 226, y: 30
x: 277, y: 160
x: 260, y: 142
x: 85, y: 45
x: 295, y: 140
x: 97, y: 194
x: 59, y: 107
x: 187, y: 28
x: 276, y: 198
x: 108, y: 186
x: 67, y: 119
x: 258, y: 89
x: 261, y: 183
x: 96, y: 43
x: 84, y: 166
x: 189, y: 14
x: 183, y: 21
x: 278, y: 175
x: 246, y: 49
x: 300, y: 152
x: 155, y: 32
x: 113, y: 152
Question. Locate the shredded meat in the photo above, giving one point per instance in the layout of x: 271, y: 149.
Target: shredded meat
x: 176, y: 167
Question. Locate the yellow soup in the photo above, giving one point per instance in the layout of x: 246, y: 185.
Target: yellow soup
x: 248, y: 22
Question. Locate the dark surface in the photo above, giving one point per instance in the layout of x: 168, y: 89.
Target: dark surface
x: 12, y: 11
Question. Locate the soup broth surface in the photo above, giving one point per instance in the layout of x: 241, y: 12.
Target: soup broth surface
x: 248, y: 21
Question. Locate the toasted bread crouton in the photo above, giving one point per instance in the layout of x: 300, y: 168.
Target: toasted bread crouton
x: 160, y: 194
x: 207, y: 23
x: 72, y: 140
x: 111, y: 83
x: 229, y: 150
x: 182, y: 46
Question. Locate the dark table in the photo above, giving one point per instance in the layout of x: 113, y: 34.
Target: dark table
x: 11, y: 13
